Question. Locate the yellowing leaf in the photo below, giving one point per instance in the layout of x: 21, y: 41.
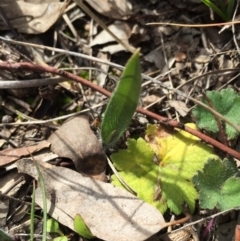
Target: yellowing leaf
x: 180, y: 156
x: 139, y: 171
x: 164, y: 182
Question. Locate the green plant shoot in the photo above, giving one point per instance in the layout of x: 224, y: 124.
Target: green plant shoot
x: 225, y: 11
x: 123, y: 102
x: 81, y: 228
x: 53, y: 227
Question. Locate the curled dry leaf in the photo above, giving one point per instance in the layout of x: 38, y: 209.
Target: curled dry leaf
x: 121, y: 29
x: 110, y: 213
x: 156, y: 57
x: 115, y: 48
x: 76, y: 141
x: 179, y: 106
x: 117, y: 9
x: 31, y: 17
x: 180, y: 56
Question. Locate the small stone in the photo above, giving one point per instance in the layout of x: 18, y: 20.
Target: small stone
x: 7, y: 119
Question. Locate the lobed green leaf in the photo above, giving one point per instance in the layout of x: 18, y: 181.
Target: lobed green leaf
x: 218, y: 185
x: 167, y: 185
x: 227, y: 103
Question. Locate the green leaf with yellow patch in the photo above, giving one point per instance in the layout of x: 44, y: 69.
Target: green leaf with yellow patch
x: 161, y: 171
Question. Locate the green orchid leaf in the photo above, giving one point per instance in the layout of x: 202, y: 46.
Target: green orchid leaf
x: 53, y: 226
x: 230, y: 8
x: 81, y: 228
x: 123, y: 102
x: 217, y: 10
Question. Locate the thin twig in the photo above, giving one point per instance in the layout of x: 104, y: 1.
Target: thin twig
x: 173, y: 123
x: 19, y: 84
x: 195, y: 25
x: 207, y: 218
x: 55, y: 71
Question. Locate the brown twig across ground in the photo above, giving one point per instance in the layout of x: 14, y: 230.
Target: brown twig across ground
x: 164, y: 120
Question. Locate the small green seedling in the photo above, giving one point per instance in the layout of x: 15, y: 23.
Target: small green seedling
x: 123, y: 102
x: 81, y: 228
x: 53, y: 227
x: 224, y: 10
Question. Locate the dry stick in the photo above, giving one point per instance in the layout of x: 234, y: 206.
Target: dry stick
x: 205, y: 219
x: 18, y: 84
x: 9, y: 84
x: 14, y: 199
x: 177, y: 222
x: 173, y: 123
x: 6, y: 65
x: 51, y: 120
x: 195, y: 25
x: 215, y: 113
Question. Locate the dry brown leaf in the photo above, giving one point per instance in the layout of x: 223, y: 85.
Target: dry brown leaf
x: 31, y: 17
x: 9, y: 185
x: 111, y: 213
x: 76, y: 141
x: 4, y: 210
x: 102, y: 75
x: 121, y: 29
x: 156, y: 57
x: 149, y: 99
x: 11, y: 155
x: 115, y: 48
x: 180, y: 56
x: 117, y: 9
x: 179, y: 106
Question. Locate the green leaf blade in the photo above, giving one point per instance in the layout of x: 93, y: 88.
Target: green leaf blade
x: 217, y: 10
x: 123, y: 102
x: 81, y: 228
